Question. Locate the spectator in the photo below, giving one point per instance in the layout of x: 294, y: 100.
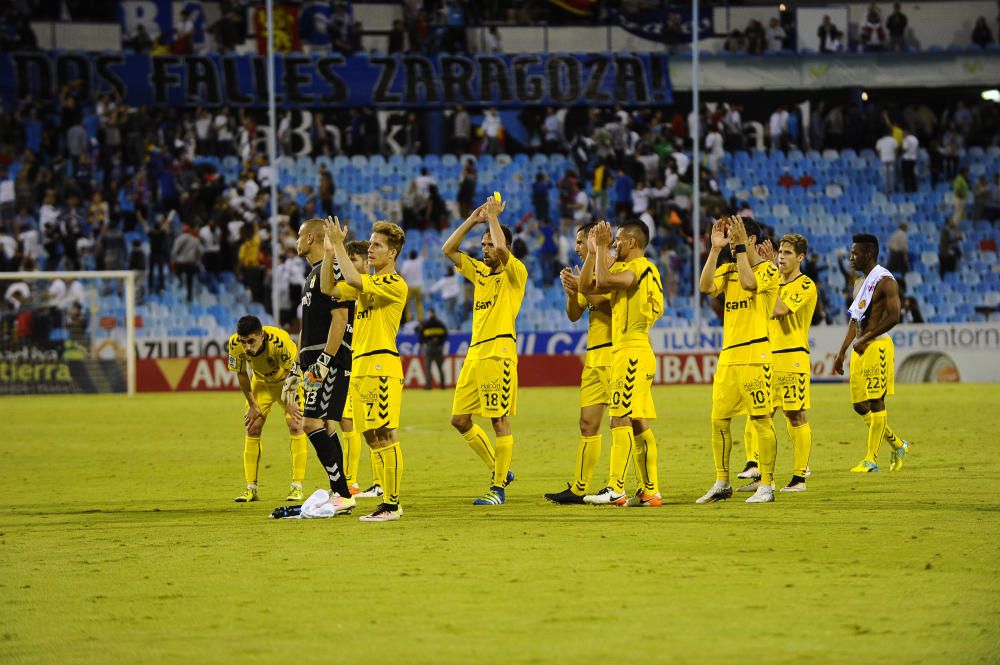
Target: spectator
x: 896, y: 25
x: 397, y: 37
x: 553, y: 131
x: 492, y: 42
x: 433, y: 334
x: 992, y: 209
x: 981, y: 35
x: 899, y: 251
x: 778, y: 129
x: 540, y: 196
x: 872, y: 32
x: 774, y: 36
x: 952, y: 144
x: 714, y: 148
x: 756, y: 40
x: 338, y: 28
x: 980, y: 197
x: 455, y: 41
x: 185, y: 255
x: 183, y: 43
x: 886, y: 148
x: 290, y: 276
x: 836, y: 41
x: 158, y: 253
x: 467, y: 189
x: 461, y: 130
x: 492, y: 132
x: 137, y: 264
x: 911, y: 146
x: 449, y: 290
x: 211, y: 243
x: 825, y: 34
x: 622, y: 189
x: 950, y: 247
x: 909, y: 311
x: 960, y: 194
x: 412, y: 270
x: 250, y: 269
x: 424, y: 181
x: 735, y: 42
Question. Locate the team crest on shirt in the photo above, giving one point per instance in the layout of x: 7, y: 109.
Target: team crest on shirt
x: 312, y: 282
x: 862, y: 304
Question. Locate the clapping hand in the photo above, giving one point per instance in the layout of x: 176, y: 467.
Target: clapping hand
x: 334, y: 232
x: 720, y: 237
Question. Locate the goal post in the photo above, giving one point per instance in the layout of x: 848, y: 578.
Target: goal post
x: 68, y: 332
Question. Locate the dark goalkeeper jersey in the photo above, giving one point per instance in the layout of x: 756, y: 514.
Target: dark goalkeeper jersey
x: 316, y: 316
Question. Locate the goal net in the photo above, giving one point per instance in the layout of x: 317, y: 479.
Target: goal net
x: 67, y: 332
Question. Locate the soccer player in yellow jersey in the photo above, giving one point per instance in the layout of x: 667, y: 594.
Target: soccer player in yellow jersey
x: 270, y: 353
x: 743, y: 379
x: 789, y: 334
x: 633, y: 285
x: 487, y: 384
x: 595, y: 381
x: 874, y: 312
x: 376, y: 371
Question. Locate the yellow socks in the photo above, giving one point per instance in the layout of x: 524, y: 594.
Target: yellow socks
x: 479, y: 442
x: 300, y: 454
x: 767, y: 448
x: 876, y: 430
x: 750, y: 442
x: 622, y: 447
x: 391, y: 463
x: 504, y: 452
x: 645, y: 462
x: 801, y: 447
x: 376, y: 469
x: 722, y: 446
x: 251, y: 458
x: 889, y: 436
x: 587, y: 456
x: 352, y: 456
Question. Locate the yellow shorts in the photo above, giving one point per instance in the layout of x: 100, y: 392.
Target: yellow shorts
x: 631, y: 385
x: 595, y: 386
x: 266, y: 394
x: 790, y: 391
x: 741, y: 389
x: 872, y: 374
x: 486, y: 387
x: 375, y: 402
x: 348, y: 406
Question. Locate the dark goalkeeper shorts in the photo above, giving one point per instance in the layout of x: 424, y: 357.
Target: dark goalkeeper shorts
x: 327, y: 403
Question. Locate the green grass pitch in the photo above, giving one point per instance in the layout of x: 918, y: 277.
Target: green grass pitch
x: 119, y: 542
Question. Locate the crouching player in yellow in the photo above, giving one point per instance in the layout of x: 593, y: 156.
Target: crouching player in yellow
x: 487, y: 384
x: 270, y: 353
x: 595, y: 382
x: 633, y: 285
x: 376, y: 371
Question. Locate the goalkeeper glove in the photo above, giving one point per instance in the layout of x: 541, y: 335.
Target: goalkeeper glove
x: 290, y: 389
x: 317, y: 372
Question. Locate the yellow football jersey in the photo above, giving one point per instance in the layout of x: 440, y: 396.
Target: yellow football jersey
x: 635, y: 310
x: 376, y: 322
x: 745, y: 322
x: 790, y: 334
x: 272, y: 362
x: 598, y: 335
x: 497, y: 301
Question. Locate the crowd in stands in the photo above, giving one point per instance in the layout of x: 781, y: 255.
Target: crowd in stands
x: 183, y: 195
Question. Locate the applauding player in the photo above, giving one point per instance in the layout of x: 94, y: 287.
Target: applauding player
x: 376, y: 371
x: 633, y: 285
x: 743, y: 380
x: 487, y: 384
x: 595, y: 382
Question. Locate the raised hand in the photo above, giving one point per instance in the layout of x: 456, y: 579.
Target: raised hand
x: 334, y: 232
x: 592, y: 241
x: 477, y: 216
x: 494, y: 207
x: 603, y: 233
x: 737, y: 232
x: 719, y: 236
x: 570, y: 281
x: 766, y: 251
